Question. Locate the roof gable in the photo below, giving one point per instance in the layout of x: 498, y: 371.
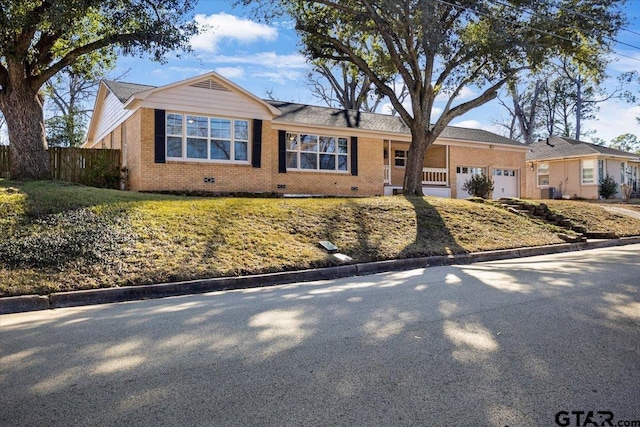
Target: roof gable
x: 211, y: 82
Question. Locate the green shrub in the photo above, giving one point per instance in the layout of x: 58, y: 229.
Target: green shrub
x: 479, y: 186
x: 102, y: 174
x: 608, y: 187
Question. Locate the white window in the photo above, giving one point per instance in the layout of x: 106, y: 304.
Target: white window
x: 469, y: 170
x: 317, y: 152
x: 400, y: 158
x: 588, y: 172
x: 207, y: 138
x: 504, y: 172
x: 543, y: 174
x: 601, y: 174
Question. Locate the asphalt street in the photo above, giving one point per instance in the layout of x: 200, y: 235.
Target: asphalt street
x: 538, y: 341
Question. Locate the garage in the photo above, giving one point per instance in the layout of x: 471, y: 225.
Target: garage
x: 463, y: 174
x: 505, y: 183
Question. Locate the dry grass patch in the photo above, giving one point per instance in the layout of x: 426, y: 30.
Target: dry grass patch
x: 59, y: 237
x: 595, y: 218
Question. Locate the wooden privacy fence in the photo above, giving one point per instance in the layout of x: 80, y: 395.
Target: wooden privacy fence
x: 88, y: 166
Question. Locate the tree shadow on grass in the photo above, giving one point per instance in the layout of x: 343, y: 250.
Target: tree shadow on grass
x: 432, y: 235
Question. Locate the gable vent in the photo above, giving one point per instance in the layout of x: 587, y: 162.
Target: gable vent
x: 209, y: 84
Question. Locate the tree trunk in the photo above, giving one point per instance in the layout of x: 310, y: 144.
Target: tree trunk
x: 27, y: 139
x: 415, y: 164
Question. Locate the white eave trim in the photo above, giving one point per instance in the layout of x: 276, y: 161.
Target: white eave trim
x: 393, y: 136
x: 586, y: 157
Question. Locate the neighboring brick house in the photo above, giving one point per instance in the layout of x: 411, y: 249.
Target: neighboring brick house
x: 565, y: 167
x: 208, y: 134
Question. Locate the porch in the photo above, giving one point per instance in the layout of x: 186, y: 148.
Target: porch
x: 435, y: 174
x: 435, y: 182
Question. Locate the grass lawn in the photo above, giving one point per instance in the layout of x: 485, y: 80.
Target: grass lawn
x: 59, y: 237
x: 595, y: 218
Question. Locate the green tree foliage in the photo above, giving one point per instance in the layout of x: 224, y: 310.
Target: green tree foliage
x: 40, y: 38
x: 626, y: 142
x: 69, y: 95
x: 442, y: 48
x: 608, y: 187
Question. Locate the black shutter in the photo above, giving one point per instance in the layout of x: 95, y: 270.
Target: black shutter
x: 160, y: 129
x: 354, y: 155
x: 256, y: 146
x: 282, y: 151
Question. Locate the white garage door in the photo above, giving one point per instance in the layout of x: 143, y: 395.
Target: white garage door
x: 505, y: 183
x: 463, y: 173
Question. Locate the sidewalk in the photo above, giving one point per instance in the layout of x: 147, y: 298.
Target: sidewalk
x: 132, y: 293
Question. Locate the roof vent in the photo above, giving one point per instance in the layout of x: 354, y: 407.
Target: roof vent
x: 209, y: 84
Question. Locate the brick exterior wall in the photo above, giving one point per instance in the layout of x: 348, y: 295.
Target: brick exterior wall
x: 368, y: 182
x: 133, y: 151
x: 146, y: 175
x: 488, y: 158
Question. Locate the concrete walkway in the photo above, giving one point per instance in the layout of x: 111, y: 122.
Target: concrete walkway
x: 622, y: 211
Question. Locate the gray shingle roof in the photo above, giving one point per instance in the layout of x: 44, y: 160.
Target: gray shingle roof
x: 332, y: 117
x: 567, y: 147
x: 324, y: 116
x: 123, y: 91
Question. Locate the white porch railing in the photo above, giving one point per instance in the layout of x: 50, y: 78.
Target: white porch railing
x: 434, y: 176
x: 430, y: 176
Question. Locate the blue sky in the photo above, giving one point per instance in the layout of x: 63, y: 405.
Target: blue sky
x: 262, y: 58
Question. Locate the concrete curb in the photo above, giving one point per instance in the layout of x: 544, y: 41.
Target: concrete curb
x: 131, y: 293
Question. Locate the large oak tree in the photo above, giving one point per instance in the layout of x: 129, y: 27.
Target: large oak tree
x: 442, y: 48
x: 39, y: 38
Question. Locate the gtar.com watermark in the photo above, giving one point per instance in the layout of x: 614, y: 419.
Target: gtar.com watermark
x: 592, y: 419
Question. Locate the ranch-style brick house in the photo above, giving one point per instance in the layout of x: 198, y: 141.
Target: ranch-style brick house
x: 208, y: 134
x: 564, y: 167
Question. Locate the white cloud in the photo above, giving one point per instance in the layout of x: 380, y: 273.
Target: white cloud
x: 265, y: 59
x: 192, y: 71
x: 221, y: 26
x: 280, y: 77
x: 465, y: 93
x: 615, y: 119
x: 231, y: 72
x: 474, y: 124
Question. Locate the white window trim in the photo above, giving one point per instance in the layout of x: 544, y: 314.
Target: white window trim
x: 404, y: 158
x: 538, y: 174
x: 208, y: 138
x: 472, y: 170
x: 593, y: 167
x: 298, y: 151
